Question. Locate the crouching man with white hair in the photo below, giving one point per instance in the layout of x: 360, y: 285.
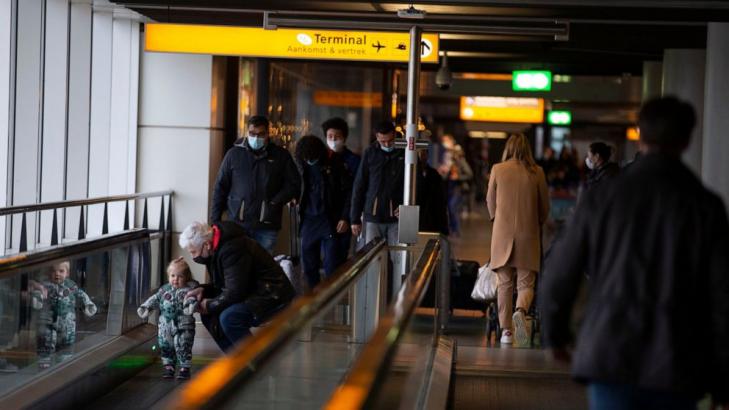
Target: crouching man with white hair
x: 247, y: 286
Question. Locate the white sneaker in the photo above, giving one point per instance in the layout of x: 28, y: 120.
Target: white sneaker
x: 506, y: 337
x: 521, y: 333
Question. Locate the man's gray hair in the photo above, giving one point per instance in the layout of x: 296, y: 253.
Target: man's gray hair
x: 195, y: 235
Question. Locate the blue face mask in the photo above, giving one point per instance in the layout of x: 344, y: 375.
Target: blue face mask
x: 256, y: 143
x: 312, y: 161
x: 386, y: 149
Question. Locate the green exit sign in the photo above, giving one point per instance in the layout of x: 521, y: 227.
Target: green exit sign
x: 559, y: 118
x: 530, y: 80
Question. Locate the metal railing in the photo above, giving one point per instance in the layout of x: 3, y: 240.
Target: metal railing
x: 23, y: 261
x: 165, y: 225
x: 216, y: 383
x: 115, y: 272
x: 163, y: 231
x: 366, y: 374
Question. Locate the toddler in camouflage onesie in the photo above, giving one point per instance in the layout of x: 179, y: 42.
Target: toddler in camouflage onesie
x: 176, y: 325
x: 57, y: 300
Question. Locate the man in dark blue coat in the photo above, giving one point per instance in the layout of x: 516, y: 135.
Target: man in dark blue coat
x: 324, y: 209
x: 255, y: 181
x: 336, y: 132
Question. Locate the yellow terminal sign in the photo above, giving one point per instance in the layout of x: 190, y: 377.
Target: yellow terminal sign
x: 502, y: 109
x: 348, y: 99
x: 286, y: 43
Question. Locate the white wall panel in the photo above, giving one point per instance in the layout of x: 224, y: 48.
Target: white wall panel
x: 184, y: 169
x: 715, y: 171
x: 120, y: 90
x: 683, y: 76
x: 101, y: 102
x: 54, y: 110
x: 181, y: 99
x: 78, y: 110
x: 5, y: 61
x: 27, y: 132
x: 100, y: 119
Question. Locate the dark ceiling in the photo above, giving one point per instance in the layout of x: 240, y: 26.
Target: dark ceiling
x: 605, y: 37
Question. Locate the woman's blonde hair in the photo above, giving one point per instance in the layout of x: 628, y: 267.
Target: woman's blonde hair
x: 179, y: 265
x: 518, y: 148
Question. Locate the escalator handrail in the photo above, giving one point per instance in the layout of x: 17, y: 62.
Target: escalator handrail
x: 11, y: 264
x: 18, y: 209
x: 366, y: 374
x: 214, y: 385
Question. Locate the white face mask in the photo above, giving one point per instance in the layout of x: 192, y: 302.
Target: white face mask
x: 336, y: 145
x: 589, y: 163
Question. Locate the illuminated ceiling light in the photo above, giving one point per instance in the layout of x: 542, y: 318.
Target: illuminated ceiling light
x: 531, y: 80
x: 559, y: 118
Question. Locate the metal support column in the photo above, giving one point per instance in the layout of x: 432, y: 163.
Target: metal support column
x: 409, y: 213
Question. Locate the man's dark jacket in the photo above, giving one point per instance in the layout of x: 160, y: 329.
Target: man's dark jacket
x: 655, y: 245
x: 607, y: 171
x: 351, y: 160
x: 378, y: 186
x: 243, y: 271
x: 336, y: 192
x: 253, y: 186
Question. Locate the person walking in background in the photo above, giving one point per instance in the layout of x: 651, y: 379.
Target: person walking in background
x: 336, y: 132
x: 518, y: 203
x: 655, y: 244
x: 255, y: 181
x: 432, y: 197
x: 599, y: 164
x: 378, y: 189
x: 325, y: 206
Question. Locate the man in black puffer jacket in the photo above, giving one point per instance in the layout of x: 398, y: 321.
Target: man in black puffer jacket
x: 255, y: 181
x: 655, y: 243
x: 246, y: 285
x: 378, y: 189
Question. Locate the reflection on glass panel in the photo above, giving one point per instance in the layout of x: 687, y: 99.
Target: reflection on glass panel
x: 304, y: 95
x: 50, y: 314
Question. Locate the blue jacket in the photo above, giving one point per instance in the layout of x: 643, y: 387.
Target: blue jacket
x: 351, y: 161
x: 378, y: 186
x: 336, y: 192
x: 254, y: 186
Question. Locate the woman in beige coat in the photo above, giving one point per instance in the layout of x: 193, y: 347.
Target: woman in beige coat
x: 518, y: 203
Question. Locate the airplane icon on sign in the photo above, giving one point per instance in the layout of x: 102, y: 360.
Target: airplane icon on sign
x: 378, y: 46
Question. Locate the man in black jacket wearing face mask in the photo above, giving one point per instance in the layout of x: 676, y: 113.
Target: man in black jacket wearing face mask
x: 256, y: 179
x: 246, y: 285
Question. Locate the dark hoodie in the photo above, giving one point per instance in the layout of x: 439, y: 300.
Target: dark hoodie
x: 605, y: 172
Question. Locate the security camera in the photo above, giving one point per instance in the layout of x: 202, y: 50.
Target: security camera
x: 444, y: 78
x: 411, y: 13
